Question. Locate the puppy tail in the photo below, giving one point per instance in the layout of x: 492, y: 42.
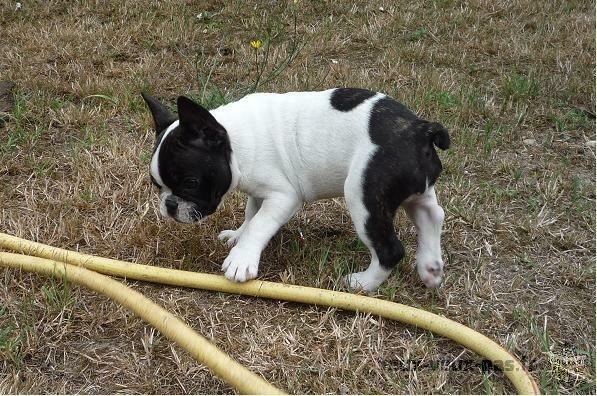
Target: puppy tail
x: 438, y: 135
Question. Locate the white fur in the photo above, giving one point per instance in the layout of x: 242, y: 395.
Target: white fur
x: 283, y: 142
x: 290, y: 149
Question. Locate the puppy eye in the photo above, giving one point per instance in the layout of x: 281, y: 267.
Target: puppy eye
x: 192, y: 183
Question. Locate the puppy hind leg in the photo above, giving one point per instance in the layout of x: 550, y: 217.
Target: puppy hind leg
x: 386, y: 250
x: 230, y: 237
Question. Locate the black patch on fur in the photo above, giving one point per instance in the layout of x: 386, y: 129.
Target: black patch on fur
x: 346, y: 99
x: 194, y: 159
x: 403, y: 165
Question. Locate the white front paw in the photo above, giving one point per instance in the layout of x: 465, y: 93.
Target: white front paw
x: 241, y: 265
x: 230, y: 237
x: 362, y: 281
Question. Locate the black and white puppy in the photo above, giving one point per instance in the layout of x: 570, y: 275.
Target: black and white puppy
x: 286, y: 149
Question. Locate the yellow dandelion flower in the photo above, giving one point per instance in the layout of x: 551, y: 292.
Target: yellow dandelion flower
x: 256, y: 43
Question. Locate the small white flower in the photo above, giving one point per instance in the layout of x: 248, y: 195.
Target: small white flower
x: 18, y: 6
x: 200, y: 15
x: 335, y: 61
x: 381, y: 9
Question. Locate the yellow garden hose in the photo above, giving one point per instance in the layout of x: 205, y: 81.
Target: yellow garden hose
x: 476, y: 342
x: 169, y: 325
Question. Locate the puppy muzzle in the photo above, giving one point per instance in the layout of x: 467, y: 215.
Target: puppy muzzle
x: 178, y: 209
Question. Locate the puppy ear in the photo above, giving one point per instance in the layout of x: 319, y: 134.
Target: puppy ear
x: 197, y: 122
x: 162, y: 117
x: 438, y: 135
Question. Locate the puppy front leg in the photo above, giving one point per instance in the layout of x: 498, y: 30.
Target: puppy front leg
x: 243, y: 261
x: 428, y: 217
x: 230, y: 237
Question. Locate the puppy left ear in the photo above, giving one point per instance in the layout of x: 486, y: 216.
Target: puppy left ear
x: 162, y: 117
x: 197, y: 122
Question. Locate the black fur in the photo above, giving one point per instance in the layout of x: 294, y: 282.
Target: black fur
x: 346, y: 99
x: 406, y: 163
x: 200, y: 127
x: 439, y: 135
x: 194, y: 160
x: 162, y: 117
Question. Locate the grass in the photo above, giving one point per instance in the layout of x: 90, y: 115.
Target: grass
x: 418, y: 34
x: 58, y: 297
x: 512, y: 81
x: 518, y: 87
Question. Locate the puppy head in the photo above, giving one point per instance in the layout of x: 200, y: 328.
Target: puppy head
x: 191, y: 160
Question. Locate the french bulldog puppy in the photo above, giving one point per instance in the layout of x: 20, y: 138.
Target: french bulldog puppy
x: 286, y: 149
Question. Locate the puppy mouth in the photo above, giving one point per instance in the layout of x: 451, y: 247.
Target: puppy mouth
x: 187, y: 214
x: 192, y: 216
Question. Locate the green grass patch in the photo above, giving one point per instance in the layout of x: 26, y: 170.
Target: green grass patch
x: 519, y: 87
x: 58, y: 295
x: 443, y: 99
x: 418, y: 34
x: 19, y: 129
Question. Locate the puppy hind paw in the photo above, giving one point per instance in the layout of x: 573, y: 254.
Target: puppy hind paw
x: 361, y: 281
x: 432, y: 274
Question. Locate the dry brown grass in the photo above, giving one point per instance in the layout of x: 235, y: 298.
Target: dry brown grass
x: 513, y: 81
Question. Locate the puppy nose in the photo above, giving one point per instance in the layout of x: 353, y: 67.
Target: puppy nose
x: 171, y: 206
